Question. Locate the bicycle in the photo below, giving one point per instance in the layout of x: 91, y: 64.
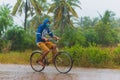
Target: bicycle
x: 62, y: 61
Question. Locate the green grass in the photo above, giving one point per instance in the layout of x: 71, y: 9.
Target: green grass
x: 83, y: 57
x: 93, y: 56
x: 15, y: 57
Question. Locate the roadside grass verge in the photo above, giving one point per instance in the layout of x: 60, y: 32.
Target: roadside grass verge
x: 15, y: 57
x: 93, y: 56
x: 97, y: 57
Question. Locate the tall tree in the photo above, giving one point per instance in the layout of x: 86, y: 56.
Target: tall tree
x: 6, y: 19
x: 106, y: 33
x: 63, y: 11
x: 86, y: 22
x: 38, y: 19
x: 25, y: 6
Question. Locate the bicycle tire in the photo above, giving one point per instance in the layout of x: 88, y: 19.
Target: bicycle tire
x: 34, y: 61
x: 63, y: 62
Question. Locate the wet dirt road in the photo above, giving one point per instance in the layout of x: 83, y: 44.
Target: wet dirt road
x: 24, y: 72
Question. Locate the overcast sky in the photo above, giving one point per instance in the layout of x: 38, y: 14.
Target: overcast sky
x: 89, y: 7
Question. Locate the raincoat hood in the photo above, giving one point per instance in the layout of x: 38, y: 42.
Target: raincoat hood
x: 46, y: 20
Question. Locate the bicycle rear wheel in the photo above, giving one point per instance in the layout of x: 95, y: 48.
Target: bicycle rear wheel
x: 34, y: 58
x: 63, y: 62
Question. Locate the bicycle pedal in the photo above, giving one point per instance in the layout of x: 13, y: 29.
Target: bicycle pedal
x: 47, y: 63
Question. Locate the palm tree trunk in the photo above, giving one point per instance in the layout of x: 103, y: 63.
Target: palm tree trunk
x: 0, y: 34
x: 26, y: 9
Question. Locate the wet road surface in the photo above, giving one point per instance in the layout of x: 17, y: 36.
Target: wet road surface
x: 24, y: 72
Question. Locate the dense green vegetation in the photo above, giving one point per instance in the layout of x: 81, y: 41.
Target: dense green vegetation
x: 91, y: 42
x: 15, y: 57
x: 83, y: 57
x: 93, y: 56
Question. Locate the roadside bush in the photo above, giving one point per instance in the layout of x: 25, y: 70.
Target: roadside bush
x: 106, y: 34
x: 76, y: 53
x: 71, y: 37
x: 2, y: 43
x: 90, y: 56
x: 117, y: 55
x: 5, y: 46
x: 91, y: 36
x: 98, y: 57
x: 20, y: 39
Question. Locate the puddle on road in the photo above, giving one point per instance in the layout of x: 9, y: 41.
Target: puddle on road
x: 47, y: 76
x: 22, y: 72
x: 35, y: 76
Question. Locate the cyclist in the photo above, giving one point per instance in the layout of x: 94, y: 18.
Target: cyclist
x: 43, y: 42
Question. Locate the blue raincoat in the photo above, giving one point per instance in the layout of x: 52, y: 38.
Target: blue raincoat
x: 42, y: 31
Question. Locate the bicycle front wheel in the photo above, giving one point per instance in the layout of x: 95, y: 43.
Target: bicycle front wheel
x: 34, y: 59
x: 63, y: 62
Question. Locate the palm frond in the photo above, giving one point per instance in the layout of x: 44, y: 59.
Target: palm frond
x: 16, y: 7
x: 59, y: 14
x: 37, y: 8
x: 71, y: 10
x: 76, y: 5
x: 51, y: 8
x: 21, y: 8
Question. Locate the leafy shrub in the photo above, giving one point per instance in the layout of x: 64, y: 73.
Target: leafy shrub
x: 97, y: 56
x: 77, y: 53
x: 71, y: 37
x: 19, y: 38
x: 90, y: 56
x: 106, y: 34
x: 2, y: 43
x: 117, y: 55
x: 91, y: 35
x: 6, y: 19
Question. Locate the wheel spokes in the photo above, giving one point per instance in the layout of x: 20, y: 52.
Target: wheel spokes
x: 34, y: 59
x: 63, y: 63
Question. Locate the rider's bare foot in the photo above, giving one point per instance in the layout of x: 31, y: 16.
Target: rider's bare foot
x: 41, y: 63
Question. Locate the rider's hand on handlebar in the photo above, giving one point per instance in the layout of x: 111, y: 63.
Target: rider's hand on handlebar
x: 56, y: 38
x: 46, y: 39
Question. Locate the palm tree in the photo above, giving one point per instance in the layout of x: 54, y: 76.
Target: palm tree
x: 34, y: 22
x: 105, y: 30
x: 25, y: 6
x: 6, y: 19
x: 37, y: 19
x: 86, y: 22
x: 107, y: 17
x: 63, y: 11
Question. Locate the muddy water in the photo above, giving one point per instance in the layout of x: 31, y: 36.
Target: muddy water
x: 24, y: 72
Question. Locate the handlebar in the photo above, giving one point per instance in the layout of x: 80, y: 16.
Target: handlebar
x: 53, y: 40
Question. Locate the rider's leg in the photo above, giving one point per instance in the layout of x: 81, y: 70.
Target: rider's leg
x: 52, y: 46
x: 54, y: 51
x: 45, y: 52
x: 43, y: 57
